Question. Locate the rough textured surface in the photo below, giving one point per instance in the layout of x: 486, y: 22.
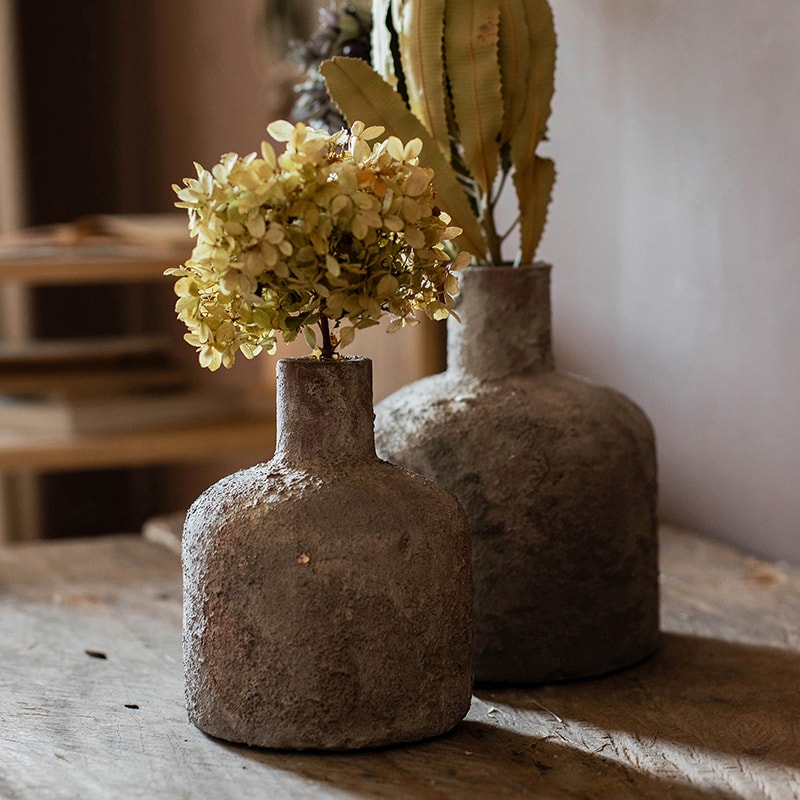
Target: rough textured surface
x: 558, y: 478
x: 327, y: 594
x: 714, y: 713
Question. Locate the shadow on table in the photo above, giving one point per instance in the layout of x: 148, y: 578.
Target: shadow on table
x: 725, y: 697
x: 697, y: 694
x: 478, y: 761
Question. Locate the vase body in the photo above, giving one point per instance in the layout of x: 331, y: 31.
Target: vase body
x: 558, y: 478
x: 327, y: 594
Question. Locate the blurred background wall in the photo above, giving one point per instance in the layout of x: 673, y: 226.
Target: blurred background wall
x: 220, y: 79
x: 674, y: 230
x: 103, y: 106
x: 675, y: 238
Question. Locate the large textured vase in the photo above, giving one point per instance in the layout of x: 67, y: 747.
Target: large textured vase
x: 327, y: 594
x: 558, y: 478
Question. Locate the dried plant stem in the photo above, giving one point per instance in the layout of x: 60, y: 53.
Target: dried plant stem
x: 493, y: 240
x: 328, y: 351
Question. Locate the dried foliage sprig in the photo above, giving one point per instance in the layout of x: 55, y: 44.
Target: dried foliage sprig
x: 473, y: 79
x: 343, y: 29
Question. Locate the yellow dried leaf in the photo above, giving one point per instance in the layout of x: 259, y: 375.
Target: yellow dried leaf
x: 362, y: 94
x: 346, y: 336
x: 420, y: 40
x: 471, y: 44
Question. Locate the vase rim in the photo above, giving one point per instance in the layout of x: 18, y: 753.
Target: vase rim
x: 535, y: 265
x: 314, y: 360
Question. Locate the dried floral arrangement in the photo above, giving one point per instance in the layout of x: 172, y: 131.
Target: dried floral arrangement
x: 343, y: 29
x: 333, y: 233
x: 473, y: 80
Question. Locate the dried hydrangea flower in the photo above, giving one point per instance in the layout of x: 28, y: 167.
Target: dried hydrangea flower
x: 336, y: 232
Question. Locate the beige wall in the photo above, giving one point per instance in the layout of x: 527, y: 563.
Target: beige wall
x: 675, y: 235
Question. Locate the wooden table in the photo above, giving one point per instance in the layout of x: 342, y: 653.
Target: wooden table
x: 91, y: 699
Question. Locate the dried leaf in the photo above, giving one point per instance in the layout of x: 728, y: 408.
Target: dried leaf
x: 311, y: 338
x: 515, y: 59
x: 471, y: 49
x: 541, y: 76
x: 346, y: 336
x: 534, y: 177
x: 534, y: 188
x: 362, y: 94
x: 420, y: 39
x: 387, y: 285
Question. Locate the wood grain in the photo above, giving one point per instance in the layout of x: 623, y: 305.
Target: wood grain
x: 716, y: 713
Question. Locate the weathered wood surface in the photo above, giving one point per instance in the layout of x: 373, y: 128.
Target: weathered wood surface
x: 716, y: 713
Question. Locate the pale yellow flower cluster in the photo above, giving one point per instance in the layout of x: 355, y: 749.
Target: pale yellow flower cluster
x: 334, y: 232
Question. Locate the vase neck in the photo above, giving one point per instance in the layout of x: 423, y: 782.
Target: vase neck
x: 324, y: 410
x: 505, y: 322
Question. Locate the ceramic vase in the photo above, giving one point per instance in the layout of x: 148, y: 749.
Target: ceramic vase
x: 558, y: 478
x: 327, y: 593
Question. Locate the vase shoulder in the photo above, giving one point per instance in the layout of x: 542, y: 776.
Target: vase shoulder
x: 278, y: 500
x: 460, y: 404
x: 558, y: 478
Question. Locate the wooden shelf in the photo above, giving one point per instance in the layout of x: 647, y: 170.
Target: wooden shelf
x: 197, y: 442
x: 102, y: 250
x: 75, y: 265
x: 38, y: 257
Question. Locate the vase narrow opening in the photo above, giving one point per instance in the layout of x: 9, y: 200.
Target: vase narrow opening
x: 324, y: 410
x: 506, y: 322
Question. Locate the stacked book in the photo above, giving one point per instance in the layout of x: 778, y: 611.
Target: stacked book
x: 98, y: 386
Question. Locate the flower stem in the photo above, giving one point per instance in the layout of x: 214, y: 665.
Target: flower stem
x: 327, y: 353
x: 493, y: 240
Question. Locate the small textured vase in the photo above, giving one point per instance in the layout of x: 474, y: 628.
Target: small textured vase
x: 558, y: 478
x: 327, y: 594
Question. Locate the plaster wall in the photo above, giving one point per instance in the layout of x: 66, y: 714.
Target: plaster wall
x: 675, y: 238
